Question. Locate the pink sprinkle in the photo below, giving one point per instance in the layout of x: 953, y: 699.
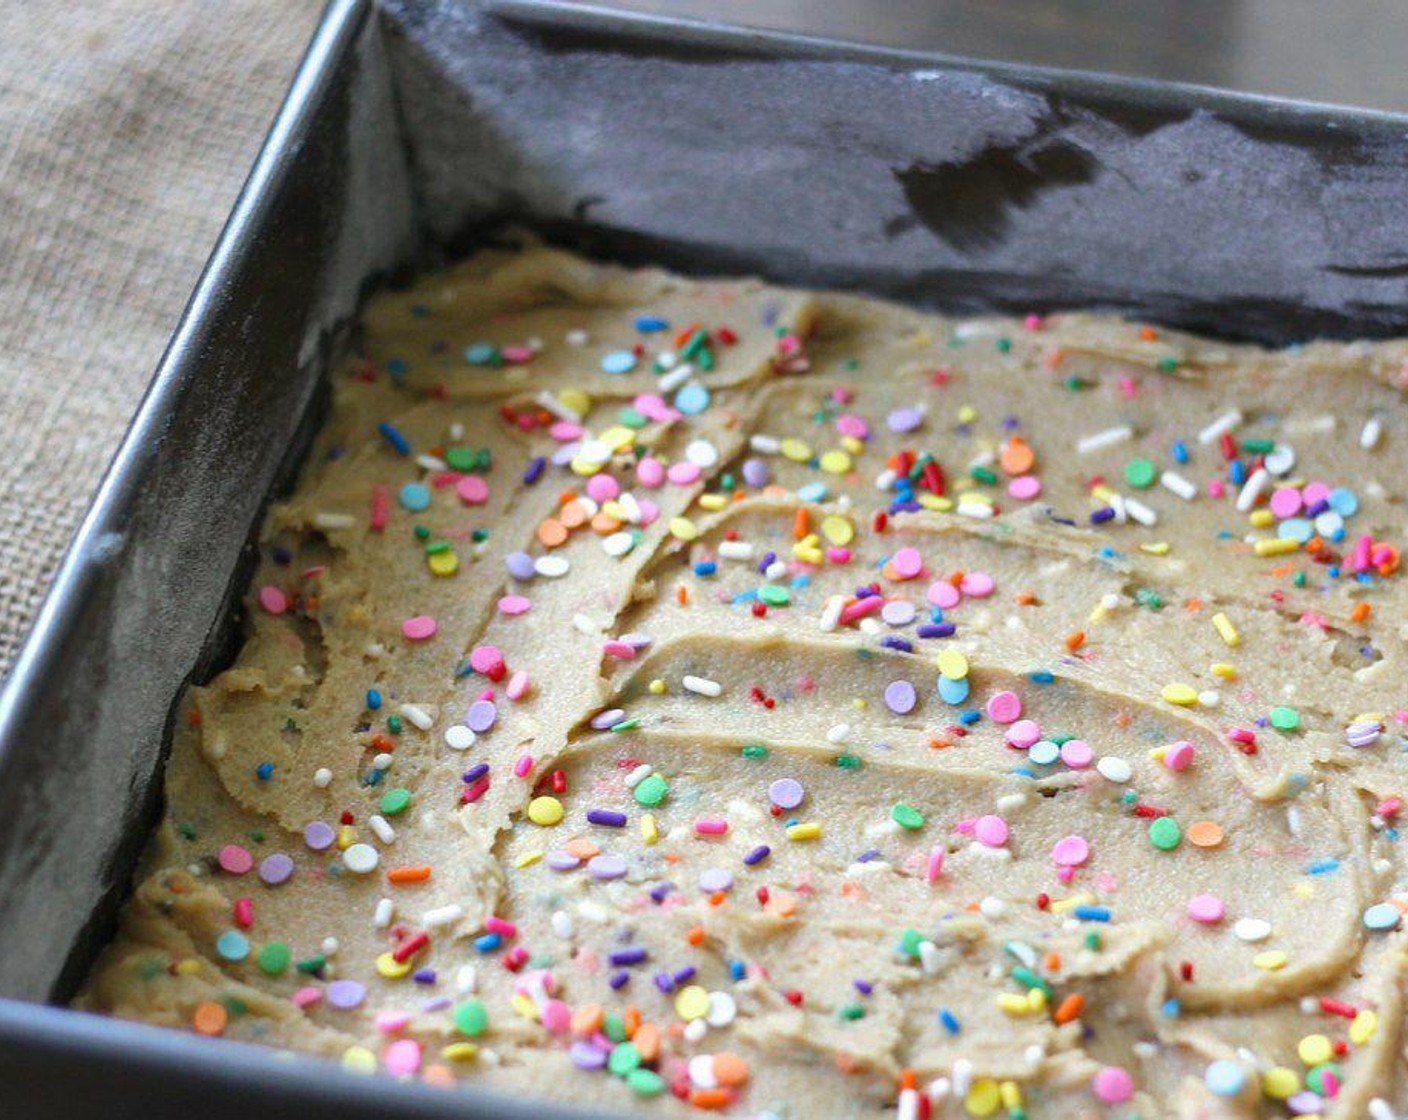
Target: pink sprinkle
x: 272, y: 599
x: 402, y: 1057
x: 389, y: 1022
x: 1382, y: 554
x: 1205, y: 908
x: 517, y: 685
x: 419, y: 627
x: 649, y: 511
x: 1005, y: 707
x: 234, y: 859
x: 1285, y: 501
x: 1363, y: 549
x: 306, y: 997
x: 849, y: 424
x: 711, y: 826
x: 564, y: 431
x: 906, y: 563
x: 934, y: 865
x: 381, y: 507
x: 1127, y: 387
x: 1241, y: 735
x: 523, y: 765
x: 1032, y: 322
x: 516, y: 354
x: 602, y: 488
x: 473, y: 490
x: 473, y: 793
x: 244, y: 912
x: 487, y: 660
x: 1065, y: 873
x: 838, y: 555
x: 861, y: 607
x: 1112, y: 1085
x: 991, y: 831
x: 978, y: 585
x: 555, y: 1015
x: 515, y: 604
x: 1024, y: 487
x: 1077, y: 754
x: 1179, y: 755
x: 1023, y: 733
x: 1389, y: 808
x: 500, y: 926
x: 650, y: 473
x: 1070, y: 851
x: 942, y: 594
x: 651, y: 406
x: 1315, y: 492
x: 1329, y: 1084
x: 683, y: 473
x: 1216, y: 488
x: 621, y: 651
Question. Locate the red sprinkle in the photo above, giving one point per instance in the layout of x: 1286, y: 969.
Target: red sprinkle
x: 410, y: 947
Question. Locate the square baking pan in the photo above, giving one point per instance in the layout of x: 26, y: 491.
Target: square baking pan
x: 415, y: 128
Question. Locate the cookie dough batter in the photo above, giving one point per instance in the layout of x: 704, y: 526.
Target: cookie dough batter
x: 684, y: 695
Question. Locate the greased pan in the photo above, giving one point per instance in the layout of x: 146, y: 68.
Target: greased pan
x: 413, y: 128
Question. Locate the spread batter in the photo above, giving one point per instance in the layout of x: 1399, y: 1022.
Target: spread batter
x: 802, y: 705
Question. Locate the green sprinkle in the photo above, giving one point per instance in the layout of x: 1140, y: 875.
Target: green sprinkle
x: 754, y: 750
x: 312, y: 965
x: 625, y: 725
x: 850, y: 364
x: 851, y: 1011
x: 624, y: 1058
x: 651, y: 790
x: 1298, y: 579
x: 422, y: 533
x: 1147, y: 597
x: 614, y: 1027
x: 1029, y: 979
x: 187, y: 830
x: 630, y: 418
x: 773, y: 595
x: 1167, y: 364
x: 1285, y: 719
x: 1075, y: 384
x: 909, y: 942
x: 459, y: 459
x: 395, y: 801
x: 1258, y: 446
x: 274, y: 957
x: 645, y: 1082
x: 1092, y: 940
x: 848, y: 761
x: 393, y: 724
x: 1165, y: 834
x: 1140, y: 473
x: 983, y: 474
x: 1004, y: 345
x: 906, y: 816
x: 479, y: 535
x: 471, y: 1018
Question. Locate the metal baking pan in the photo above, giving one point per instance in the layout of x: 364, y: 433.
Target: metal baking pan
x: 414, y: 127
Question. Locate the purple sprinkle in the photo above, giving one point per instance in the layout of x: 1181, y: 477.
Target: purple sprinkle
x: 566, y: 453
x: 685, y: 974
x: 756, y: 472
x: 904, y: 419
x: 424, y: 976
x: 714, y: 879
x: 606, y: 866
x: 864, y: 987
x: 868, y: 855
x: 602, y: 720
x: 1101, y: 515
x: 276, y: 869
x: 319, y: 835
x: 898, y: 612
x: 481, y: 715
x: 866, y: 593
x: 1318, y: 508
x: 936, y: 630
x: 519, y: 565
x: 908, y: 506
x: 346, y: 994
x: 664, y: 982
x: 632, y: 954
x: 900, y: 697
x: 619, y: 980
x: 1304, y: 1103
x: 766, y: 562
x: 889, y: 641
x: 608, y: 817
x: 475, y: 772
x: 436, y: 1003
x: 559, y: 860
x: 660, y: 892
x: 535, y: 470
x: 786, y: 793
x: 586, y: 1056
x: 757, y: 855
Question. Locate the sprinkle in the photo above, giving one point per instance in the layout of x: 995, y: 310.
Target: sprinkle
x: 419, y: 627
x: 809, y: 831
x: 1382, y: 916
x: 545, y: 811
x: 1107, y: 438
x: 1223, y: 625
x: 991, y: 831
x: 906, y: 816
x: 1220, y: 427
x: 702, y: 686
x: 1165, y: 834
x: 900, y: 697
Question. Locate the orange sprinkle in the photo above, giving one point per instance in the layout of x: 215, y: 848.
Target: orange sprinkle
x: 1017, y: 456
x: 566, y: 496
x: 1360, y: 612
x: 685, y: 335
x: 1204, y: 834
x: 782, y: 904
x: 1194, y: 604
x: 573, y: 514
x: 1052, y: 961
x: 586, y: 1019
x: 800, y: 523
x: 1148, y: 334
x: 551, y: 532
x: 582, y: 848
x: 1389, y: 564
x: 730, y: 1069
x: 681, y: 594
x: 630, y: 1019
x: 647, y: 1041
x: 672, y: 857
x: 710, y: 1098
x: 439, y: 1076
x: 209, y: 1018
x: 1069, y: 1008
x: 907, y: 1079
x: 407, y: 874
x: 938, y: 743
x: 1282, y: 570
x: 604, y: 523
x: 845, y: 1062
x: 717, y: 898
x: 695, y: 936
x: 955, y: 578
x: 1075, y: 639
x: 1024, y: 599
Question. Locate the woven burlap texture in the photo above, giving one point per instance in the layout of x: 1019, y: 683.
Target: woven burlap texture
x: 126, y: 129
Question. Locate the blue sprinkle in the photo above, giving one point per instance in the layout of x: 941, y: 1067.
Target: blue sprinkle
x: 1171, y: 1008
x: 481, y: 354
x: 264, y: 771
x: 232, y: 945
x: 969, y: 716
x: 1236, y: 472
x: 801, y: 581
x: 647, y: 324
x: 373, y: 699
x: 535, y: 470
x: 395, y: 438
x: 705, y: 568
x: 398, y: 368
x: 1092, y: 913
x: 618, y: 361
x: 1343, y: 501
x: 1323, y: 866
x: 692, y: 399
x: 1101, y: 515
x: 415, y: 496
x: 812, y: 492
x: 1180, y: 451
x: 953, y: 691
x: 950, y: 1024
x: 1041, y: 676
x: 488, y: 942
x: 736, y: 970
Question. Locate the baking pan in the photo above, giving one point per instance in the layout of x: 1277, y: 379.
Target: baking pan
x: 412, y: 130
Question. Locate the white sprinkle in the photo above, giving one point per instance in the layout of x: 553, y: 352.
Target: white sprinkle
x: 701, y: 453
x: 1221, y: 426
x: 1209, y: 698
x: 1280, y: 459
x: 776, y: 570
x: 981, y: 511
x: 992, y: 907
x: 595, y: 452
x: 1121, y: 510
x: 618, y: 544
x: 384, y: 832
x: 457, y: 431
x: 322, y: 777
x: 695, y: 1030
x: 962, y: 1077
x: 723, y: 1009
x: 702, y: 685
x: 552, y: 567
x: 638, y: 775
x: 561, y: 924
x: 361, y: 859
x: 671, y: 381
x: 418, y: 716
x: 929, y: 956
x: 1114, y: 769
x: 1369, y: 434
x: 1179, y: 485
x: 458, y: 737
x: 907, y: 1107
x: 1108, y: 438
x: 838, y: 733
x: 593, y: 912
x: 885, y: 479
x: 701, y: 1071
x: 736, y: 550
x: 1252, y: 489
x: 382, y: 761
x: 385, y: 911
x: 587, y: 625
x: 467, y: 979
x: 562, y: 411
x: 764, y: 445
x: 331, y: 521
x: 577, y: 337
x: 1251, y: 930
x: 831, y: 613
x: 629, y: 507
x: 1141, y: 513
x: 940, y: 1088
x: 442, y: 916
x: 430, y: 463
x: 1379, y: 1109
x: 330, y: 946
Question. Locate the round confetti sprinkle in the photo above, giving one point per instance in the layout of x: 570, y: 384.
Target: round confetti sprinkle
x: 1165, y: 834
x: 1112, y: 1085
x: 786, y: 793
x: 1179, y: 755
x: 1025, y: 488
x: 481, y: 716
x: 395, y: 801
x: 1382, y: 916
x: 361, y: 859
x: 953, y: 664
x: 346, y: 994
x: 235, y: 859
x: 1023, y: 733
x: 1206, y: 908
x: 545, y: 811
x: 900, y: 697
x: 714, y: 879
x: 272, y: 600
x: 458, y: 737
x: 943, y: 595
x: 907, y: 816
x: 651, y: 790
x: 1140, y: 473
x: 472, y: 490
x: 415, y: 496
x: 1224, y: 1078
x: 1004, y: 707
x: 318, y: 835
x: 618, y: 361
x: 1043, y: 753
x: 1205, y: 834
x: 471, y: 1018
x: 692, y: 1002
x: 606, y: 866
x: 953, y: 691
x: 419, y: 628
x: 907, y: 563
x: 1070, y: 851
x: 1077, y: 754
x: 898, y: 612
x: 275, y: 869
x: 1285, y: 719
x: 991, y: 831
x: 232, y: 945
x: 274, y: 958
x: 902, y: 420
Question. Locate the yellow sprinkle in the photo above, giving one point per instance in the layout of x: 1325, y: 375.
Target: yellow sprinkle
x: 1011, y: 1094
x: 391, y: 968
x: 1363, y: 1027
x: 545, y: 810
x: 615, y: 509
x: 1274, y: 546
x: 1103, y: 492
x: 618, y: 437
x: 1061, y: 905
x: 442, y: 563
x: 984, y: 1098
x: 692, y: 1003
x: 649, y: 830
x: 1262, y: 518
x: 525, y: 1006
x: 953, y: 664
x: 1279, y: 1083
x: 935, y: 502
x: 459, y: 1051
x: 585, y: 468
x: 835, y: 462
x: 795, y: 450
x: 682, y: 528
x: 188, y: 967
x: 1179, y: 694
x: 576, y: 400
x: 346, y: 837
x: 860, y: 703
x: 853, y: 444
x: 1155, y: 548
x: 358, y: 1059
x: 527, y: 859
x: 808, y: 831
x: 967, y: 414
x: 1224, y: 670
x: 1010, y: 1003
x: 838, y: 530
x: 1036, y: 1000
x: 1314, y: 1049
x: 1303, y: 890
x: 712, y: 502
x: 808, y: 555
x: 1224, y: 626
x: 1271, y: 960
x: 974, y: 498
x: 657, y: 687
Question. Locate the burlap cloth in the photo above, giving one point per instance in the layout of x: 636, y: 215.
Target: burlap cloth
x: 126, y: 129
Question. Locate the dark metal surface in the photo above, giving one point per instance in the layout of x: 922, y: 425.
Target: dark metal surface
x: 404, y: 137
